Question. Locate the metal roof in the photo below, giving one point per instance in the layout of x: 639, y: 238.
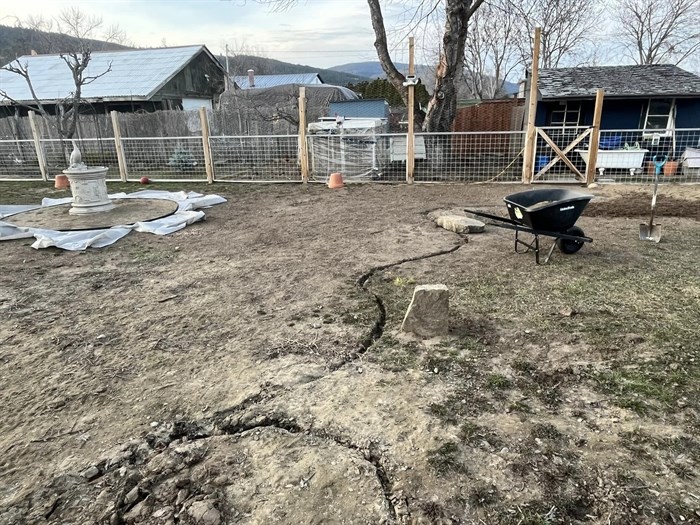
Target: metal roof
x: 267, y: 81
x: 663, y: 80
x: 135, y: 74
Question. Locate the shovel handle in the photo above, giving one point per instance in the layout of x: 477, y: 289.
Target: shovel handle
x: 653, y: 199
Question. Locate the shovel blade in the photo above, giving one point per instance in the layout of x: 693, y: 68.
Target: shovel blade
x: 650, y: 232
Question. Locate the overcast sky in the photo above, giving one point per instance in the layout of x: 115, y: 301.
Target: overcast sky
x: 320, y: 33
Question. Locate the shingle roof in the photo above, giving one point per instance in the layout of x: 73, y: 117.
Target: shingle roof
x: 618, y: 81
x: 268, y: 81
x: 135, y: 74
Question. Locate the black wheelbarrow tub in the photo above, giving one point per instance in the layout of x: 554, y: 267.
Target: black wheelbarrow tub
x: 554, y: 210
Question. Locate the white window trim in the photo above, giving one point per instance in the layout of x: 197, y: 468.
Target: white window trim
x: 566, y: 110
x: 670, y: 124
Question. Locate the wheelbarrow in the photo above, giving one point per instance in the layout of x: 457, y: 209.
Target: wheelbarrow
x: 547, y: 213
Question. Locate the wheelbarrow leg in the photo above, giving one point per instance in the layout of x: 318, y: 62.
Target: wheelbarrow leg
x: 549, y: 254
x: 529, y: 246
x: 534, y: 246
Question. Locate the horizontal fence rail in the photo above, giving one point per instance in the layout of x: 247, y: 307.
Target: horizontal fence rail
x: 560, y: 155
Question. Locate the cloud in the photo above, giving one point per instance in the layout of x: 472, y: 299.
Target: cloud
x: 320, y: 33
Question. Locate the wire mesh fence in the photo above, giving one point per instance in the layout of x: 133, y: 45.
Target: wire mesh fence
x: 468, y: 156
x: 439, y: 157
x: 266, y: 158
x: 624, y: 156
x: 630, y: 156
x: 18, y: 160
x: 94, y: 152
x: 161, y: 158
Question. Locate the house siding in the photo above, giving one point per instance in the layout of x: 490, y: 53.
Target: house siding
x: 687, y: 113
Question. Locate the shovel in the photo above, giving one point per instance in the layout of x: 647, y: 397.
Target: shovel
x: 651, y: 231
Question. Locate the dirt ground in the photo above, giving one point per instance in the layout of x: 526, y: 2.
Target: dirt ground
x: 250, y: 368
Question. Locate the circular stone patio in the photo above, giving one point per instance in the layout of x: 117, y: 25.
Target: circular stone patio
x: 126, y: 211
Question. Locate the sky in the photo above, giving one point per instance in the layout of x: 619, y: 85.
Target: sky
x: 319, y: 33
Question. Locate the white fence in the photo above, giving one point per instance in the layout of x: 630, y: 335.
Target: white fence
x: 625, y: 156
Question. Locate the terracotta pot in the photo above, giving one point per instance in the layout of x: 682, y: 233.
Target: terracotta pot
x: 335, y: 181
x: 650, y: 169
x: 670, y: 168
x: 61, y: 182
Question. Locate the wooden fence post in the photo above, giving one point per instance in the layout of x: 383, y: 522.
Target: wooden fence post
x: 303, y: 150
x: 121, y: 158
x: 37, y: 145
x: 411, y: 137
x: 595, y: 138
x: 531, y: 135
x: 208, y: 164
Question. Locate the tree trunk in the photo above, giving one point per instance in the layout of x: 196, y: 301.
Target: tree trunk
x: 393, y: 75
x: 443, y: 104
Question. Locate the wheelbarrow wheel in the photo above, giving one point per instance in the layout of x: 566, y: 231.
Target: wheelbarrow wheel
x: 569, y: 246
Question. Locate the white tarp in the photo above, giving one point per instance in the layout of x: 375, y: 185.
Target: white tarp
x: 189, y: 204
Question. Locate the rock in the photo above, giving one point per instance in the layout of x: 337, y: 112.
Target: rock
x: 90, y: 473
x: 181, y: 496
x: 460, y: 224
x: 428, y: 313
x: 132, y: 496
x: 204, y: 513
x: 165, y: 512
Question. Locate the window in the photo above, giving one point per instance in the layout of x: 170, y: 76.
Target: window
x: 567, y: 114
x: 660, y: 115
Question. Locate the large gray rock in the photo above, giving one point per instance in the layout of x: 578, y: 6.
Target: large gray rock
x: 204, y: 513
x: 428, y: 314
x: 459, y: 224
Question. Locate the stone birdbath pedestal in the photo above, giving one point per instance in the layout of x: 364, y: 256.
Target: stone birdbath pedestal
x: 88, y: 186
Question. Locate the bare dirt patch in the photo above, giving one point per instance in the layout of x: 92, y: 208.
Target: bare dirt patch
x: 249, y: 369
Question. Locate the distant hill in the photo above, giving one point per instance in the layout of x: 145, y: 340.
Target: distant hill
x: 240, y: 64
x: 425, y: 73
x: 18, y: 41
x: 374, y: 70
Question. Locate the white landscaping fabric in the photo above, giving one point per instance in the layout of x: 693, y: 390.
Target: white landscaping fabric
x: 188, y: 205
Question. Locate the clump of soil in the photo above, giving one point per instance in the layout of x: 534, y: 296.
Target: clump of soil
x: 639, y: 204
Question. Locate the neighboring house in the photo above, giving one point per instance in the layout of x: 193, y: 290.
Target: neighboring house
x: 253, y: 81
x: 185, y: 77
x: 362, y: 108
x: 642, y: 107
x: 659, y: 97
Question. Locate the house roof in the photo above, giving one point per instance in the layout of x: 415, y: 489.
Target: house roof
x: 135, y: 74
x: 663, y: 80
x: 268, y: 81
x: 362, y: 108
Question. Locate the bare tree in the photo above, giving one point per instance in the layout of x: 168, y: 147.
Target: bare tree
x: 491, y: 49
x: 72, y: 22
x: 65, y: 116
x: 442, y: 106
x: 659, y: 31
x: 565, y: 25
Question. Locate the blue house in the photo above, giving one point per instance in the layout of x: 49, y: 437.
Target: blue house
x: 655, y: 108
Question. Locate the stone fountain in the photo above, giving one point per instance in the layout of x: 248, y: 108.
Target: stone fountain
x: 91, y: 208
x: 88, y: 186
